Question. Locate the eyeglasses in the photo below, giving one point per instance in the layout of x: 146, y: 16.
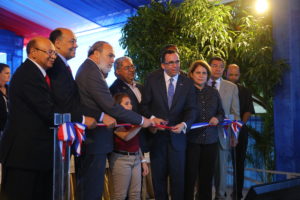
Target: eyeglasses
x: 217, y: 66
x: 172, y: 62
x: 129, y: 67
x: 49, y: 52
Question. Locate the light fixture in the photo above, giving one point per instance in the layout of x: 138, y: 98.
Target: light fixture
x: 261, y: 6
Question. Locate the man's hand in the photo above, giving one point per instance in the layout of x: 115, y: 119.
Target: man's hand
x: 147, y: 122
x: 158, y: 121
x: 109, y: 121
x: 90, y: 122
x: 178, y: 128
x: 213, y: 121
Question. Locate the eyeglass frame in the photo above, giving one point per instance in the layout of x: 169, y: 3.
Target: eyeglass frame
x: 129, y: 67
x: 47, y: 52
x: 172, y: 62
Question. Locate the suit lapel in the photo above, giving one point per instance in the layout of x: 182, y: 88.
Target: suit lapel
x: 162, y: 88
x: 179, y: 86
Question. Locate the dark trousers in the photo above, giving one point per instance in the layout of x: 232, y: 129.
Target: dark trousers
x: 23, y: 184
x: 90, y: 176
x: 238, y: 158
x: 200, y: 163
x: 165, y: 161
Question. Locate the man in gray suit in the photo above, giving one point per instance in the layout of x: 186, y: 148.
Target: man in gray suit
x: 95, y: 94
x: 230, y: 101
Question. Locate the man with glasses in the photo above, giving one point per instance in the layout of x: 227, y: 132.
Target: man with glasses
x: 27, y: 145
x: 125, y: 83
x: 95, y: 94
x: 230, y: 102
x: 169, y: 99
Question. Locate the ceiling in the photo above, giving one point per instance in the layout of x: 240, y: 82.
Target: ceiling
x: 29, y: 18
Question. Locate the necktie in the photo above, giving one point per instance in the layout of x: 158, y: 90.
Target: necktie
x: 47, y: 79
x: 69, y: 69
x: 171, y: 92
x: 213, y: 84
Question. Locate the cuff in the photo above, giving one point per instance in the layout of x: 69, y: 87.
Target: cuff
x: 101, y: 117
x: 142, y: 121
x: 185, y: 127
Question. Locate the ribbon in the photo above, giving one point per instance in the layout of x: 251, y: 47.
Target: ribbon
x: 234, y: 124
x: 69, y: 134
x: 79, y: 128
x: 131, y: 125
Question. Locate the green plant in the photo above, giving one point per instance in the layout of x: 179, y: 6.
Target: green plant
x: 201, y: 29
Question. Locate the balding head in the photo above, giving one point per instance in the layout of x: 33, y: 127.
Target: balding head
x: 42, y: 51
x: 64, y: 41
x: 233, y: 73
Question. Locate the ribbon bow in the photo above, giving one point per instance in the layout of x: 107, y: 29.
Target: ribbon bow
x: 69, y: 134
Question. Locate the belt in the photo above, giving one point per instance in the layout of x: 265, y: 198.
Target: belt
x: 126, y: 153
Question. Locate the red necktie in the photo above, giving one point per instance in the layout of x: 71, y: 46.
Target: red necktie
x: 47, y: 79
x: 69, y: 69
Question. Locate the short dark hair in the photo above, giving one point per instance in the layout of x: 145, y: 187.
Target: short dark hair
x: 202, y: 63
x: 2, y: 66
x: 55, y: 34
x: 119, y: 96
x: 169, y: 46
x: 164, y: 53
x: 31, y: 44
x: 97, y: 46
x: 217, y: 58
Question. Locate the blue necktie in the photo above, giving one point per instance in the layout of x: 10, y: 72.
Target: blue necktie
x: 171, y: 92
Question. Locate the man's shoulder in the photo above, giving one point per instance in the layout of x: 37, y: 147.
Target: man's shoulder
x: 86, y: 67
x: 117, y: 86
x: 227, y: 83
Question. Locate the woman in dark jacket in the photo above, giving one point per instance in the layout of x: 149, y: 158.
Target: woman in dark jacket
x: 202, y: 142
x: 4, y: 78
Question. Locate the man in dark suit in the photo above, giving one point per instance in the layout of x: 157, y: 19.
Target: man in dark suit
x: 169, y: 98
x: 246, y: 109
x: 125, y: 83
x: 95, y: 94
x: 64, y: 88
x: 27, y: 144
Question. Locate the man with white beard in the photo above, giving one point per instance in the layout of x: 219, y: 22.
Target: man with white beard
x: 95, y: 94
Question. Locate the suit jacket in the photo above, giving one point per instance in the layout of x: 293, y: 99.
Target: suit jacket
x: 120, y: 86
x: 65, y: 92
x: 183, y: 109
x: 28, y: 141
x: 230, y: 102
x: 95, y: 94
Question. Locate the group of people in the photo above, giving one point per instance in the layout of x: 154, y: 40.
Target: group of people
x: 161, y: 112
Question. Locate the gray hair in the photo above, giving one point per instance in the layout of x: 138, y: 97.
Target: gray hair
x: 97, y: 46
x: 118, y: 62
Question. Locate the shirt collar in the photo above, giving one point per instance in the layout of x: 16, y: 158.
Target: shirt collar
x: 40, y: 68
x: 167, y: 77
x: 217, y: 81
x: 63, y: 59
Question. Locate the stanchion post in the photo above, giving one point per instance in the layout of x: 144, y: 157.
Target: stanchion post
x: 61, y: 177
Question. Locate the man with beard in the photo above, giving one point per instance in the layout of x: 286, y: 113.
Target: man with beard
x: 95, y: 94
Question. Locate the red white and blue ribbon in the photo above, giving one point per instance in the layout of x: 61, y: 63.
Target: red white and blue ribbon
x: 69, y: 134
x: 80, y: 137
x: 234, y: 124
